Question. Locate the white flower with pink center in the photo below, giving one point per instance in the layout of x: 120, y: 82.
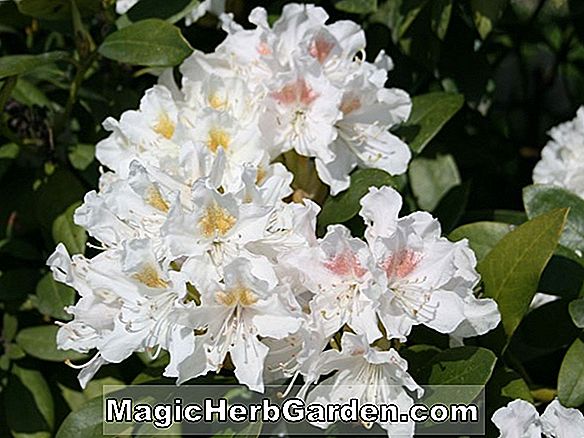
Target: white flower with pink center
x: 340, y: 277
x: 426, y: 278
x: 300, y: 113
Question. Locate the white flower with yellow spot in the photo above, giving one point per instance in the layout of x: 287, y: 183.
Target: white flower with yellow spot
x: 128, y: 303
x: 233, y: 314
x: 216, y: 231
x: 145, y: 134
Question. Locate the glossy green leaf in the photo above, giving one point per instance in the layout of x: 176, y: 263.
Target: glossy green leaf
x: 53, y: 297
x: 86, y: 422
x: 577, y: 312
x: 460, y: 366
x: 512, y: 269
x: 18, y: 64
x: 539, y: 199
x: 152, y: 42
x: 482, y: 236
x: 430, y: 112
x: 341, y: 208
x: 486, y: 13
x: 571, y: 378
x: 432, y: 178
x: 29, y: 404
x: 357, y: 6
x: 41, y: 342
x: 66, y: 231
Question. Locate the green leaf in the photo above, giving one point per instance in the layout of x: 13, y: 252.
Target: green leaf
x: 506, y: 385
x: 53, y: 297
x: 86, y: 422
x: 82, y: 155
x: 539, y: 199
x: 41, y: 342
x: 482, y: 236
x: 56, y: 9
x: 562, y: 276
x: 486, y: 13
x: 18, y: 64
x: 152, y: 42
x: 511, y: 271
x: 432, y: 178
x: 536, y: 337
x: 29, y: 405
x: 341, y: 208
x: 430, y: 112
x: 571, y: 378
x: 441, y: 12
x: 65, y: 231
x: 9, y: 327
x: 357, y: 6
x: 458, y: 366
x: 95, y: 388
x: 577, y: 312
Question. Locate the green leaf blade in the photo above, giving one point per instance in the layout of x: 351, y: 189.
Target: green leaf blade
x: 152, y: 43
x: 430, y: 112
x: 512, y: 269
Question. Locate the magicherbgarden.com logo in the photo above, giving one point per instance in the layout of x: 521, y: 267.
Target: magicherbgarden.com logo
x: 204, y: 410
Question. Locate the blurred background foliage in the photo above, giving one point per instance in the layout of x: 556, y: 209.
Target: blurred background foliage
x: 489, y: 78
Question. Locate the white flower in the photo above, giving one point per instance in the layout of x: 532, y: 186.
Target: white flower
x: 234, y: 313
x: 216, y: 7
x: 520, y: 419
x: 128, y: 303
x: 429, y: 280
x: 562, y: 159
x: 363, y: 137
x: 146, y: 134
x: 560, y: 422
x: 300, y: 113
x: 341, y: 279
x: 216, y: 231
x: 123, y: 6
x: 367, y: 374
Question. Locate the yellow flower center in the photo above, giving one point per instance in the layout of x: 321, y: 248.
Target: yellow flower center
x: 216, y: 102
x: 155, y: 199
x: 149, y: 276
x: 240, y: 295
x: 164, y: 126
x: 216, y: 221
x: 218, y: 138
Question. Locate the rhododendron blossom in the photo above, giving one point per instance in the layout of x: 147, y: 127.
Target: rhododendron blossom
x: 202, y: 253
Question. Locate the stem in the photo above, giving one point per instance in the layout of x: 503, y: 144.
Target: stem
x: 82, y: 69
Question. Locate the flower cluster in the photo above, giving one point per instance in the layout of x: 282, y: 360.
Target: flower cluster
x: 562, y: 159
x: 202, y: 255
